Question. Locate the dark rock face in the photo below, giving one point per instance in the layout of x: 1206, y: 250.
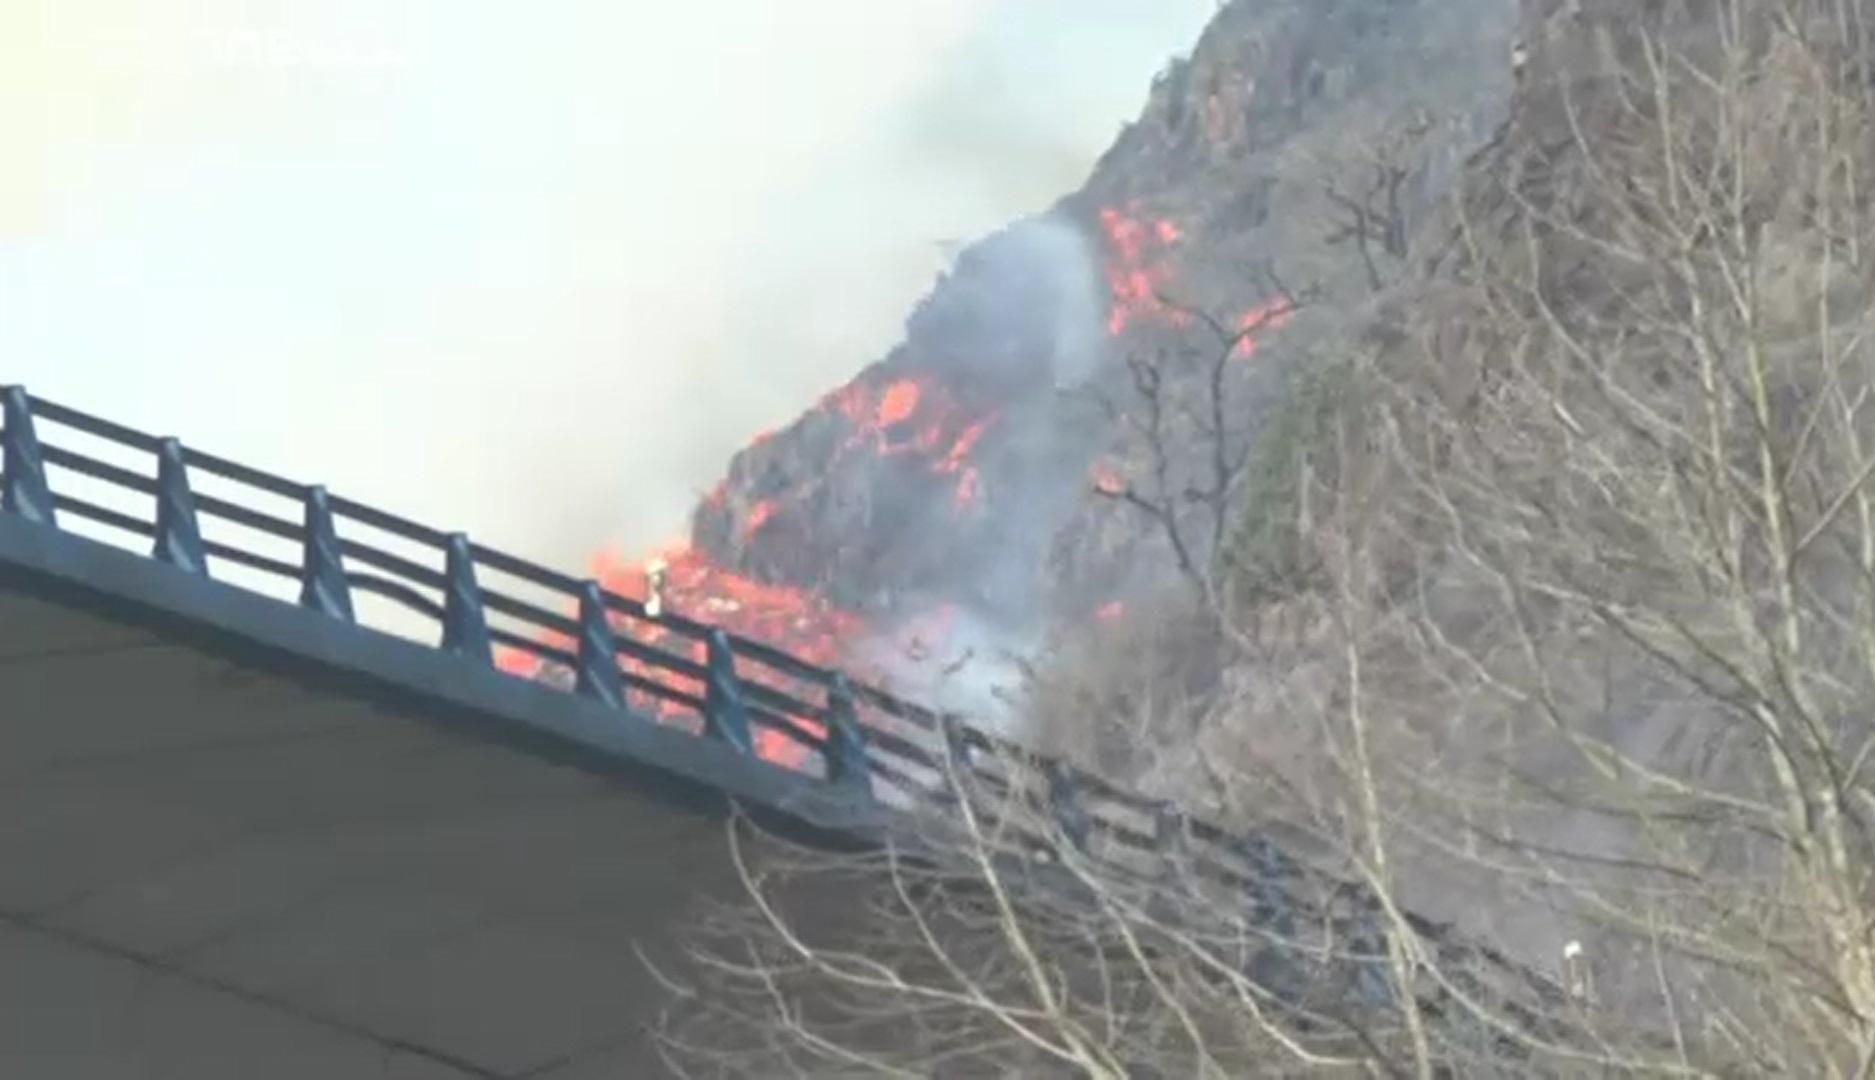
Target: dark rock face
x: 923, y: 474
x: 960, y: 469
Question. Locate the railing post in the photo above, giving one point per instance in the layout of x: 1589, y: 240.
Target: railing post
x: 957, y: 748
x: 465, y: 624
x: 1171, y: 836
x: 1367, y: 947
x: 1064, y: 804
x: 26, y: 493
x: 1270, y: 870
x: 725, y: 714
x: 846, y: 740
x: 322, y: 584
x: 598, y: 650
x: 178, y: 536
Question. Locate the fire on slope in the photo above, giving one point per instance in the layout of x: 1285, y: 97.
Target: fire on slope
x: 1137, y: 271
x: 913, y: 416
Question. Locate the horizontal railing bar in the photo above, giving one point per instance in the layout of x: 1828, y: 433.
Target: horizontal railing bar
x: 1124, y: 835
x: 898, y: 778
x: 551, y: 653
x: 389, y: 522
x: 779, y: 701
x: 253, y: 519
x: 527, y: 571
x: 896, y: 745
x: 668, y: 693
x: 97, y: 470
x: 108, y: 429
x: 257, y: 562
x: 669, y: 620
x: 396, y: 590
x: 529, y: 612
x: 633, y: 609
x: 395, y: 564
x: 94, y: 512
x: 662, y: 660
x: 895, y: 706
x: 1212, y: 834
x: 748, y: 648
x: 246, y: 474
x: 789, y: 727
x: 1002, y: 749
x: 1097, y: 785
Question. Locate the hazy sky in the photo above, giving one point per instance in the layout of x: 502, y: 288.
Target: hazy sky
x: 533, y: 270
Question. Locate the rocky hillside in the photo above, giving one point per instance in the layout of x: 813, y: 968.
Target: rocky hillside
x: 1271, y: 184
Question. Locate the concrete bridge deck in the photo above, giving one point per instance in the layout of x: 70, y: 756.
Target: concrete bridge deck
x: 217, y: 864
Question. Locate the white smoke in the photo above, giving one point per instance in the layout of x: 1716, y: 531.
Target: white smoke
x: 533, y: 275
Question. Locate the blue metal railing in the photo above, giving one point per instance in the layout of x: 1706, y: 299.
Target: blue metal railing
x: 864, y: 738
x: 862, y: 735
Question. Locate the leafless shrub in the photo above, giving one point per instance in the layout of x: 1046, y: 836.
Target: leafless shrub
x: 1583, y: 662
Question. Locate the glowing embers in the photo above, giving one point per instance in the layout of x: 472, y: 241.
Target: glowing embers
x: 1137, y: 269
x: 1139, y: 275
x: 757, y: 517
x: 1266, y: 316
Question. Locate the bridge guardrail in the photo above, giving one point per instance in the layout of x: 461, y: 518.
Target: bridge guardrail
x: 856, y: 735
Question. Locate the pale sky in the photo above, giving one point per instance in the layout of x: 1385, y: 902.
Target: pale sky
x: 533, y: 270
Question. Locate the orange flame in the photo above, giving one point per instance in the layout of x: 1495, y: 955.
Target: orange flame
x: 850, y: 401
x: 898, y: 402
x: 1106, y: 479
x: 758, y: 516
x: 1266, y: 316
x: 969, y: 489
x: 1137, y: 275
x: 1110, y: 611
x: 965, y: 444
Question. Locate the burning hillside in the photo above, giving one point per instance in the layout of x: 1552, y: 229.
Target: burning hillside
x: 934, y: 480
x: 970, y: 479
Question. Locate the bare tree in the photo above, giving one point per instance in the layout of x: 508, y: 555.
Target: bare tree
x: 1633, y: 537
x: 1586, y: 666
x: 1368, y: 194
x: 1184, y: 420
x: 1010, y: 938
